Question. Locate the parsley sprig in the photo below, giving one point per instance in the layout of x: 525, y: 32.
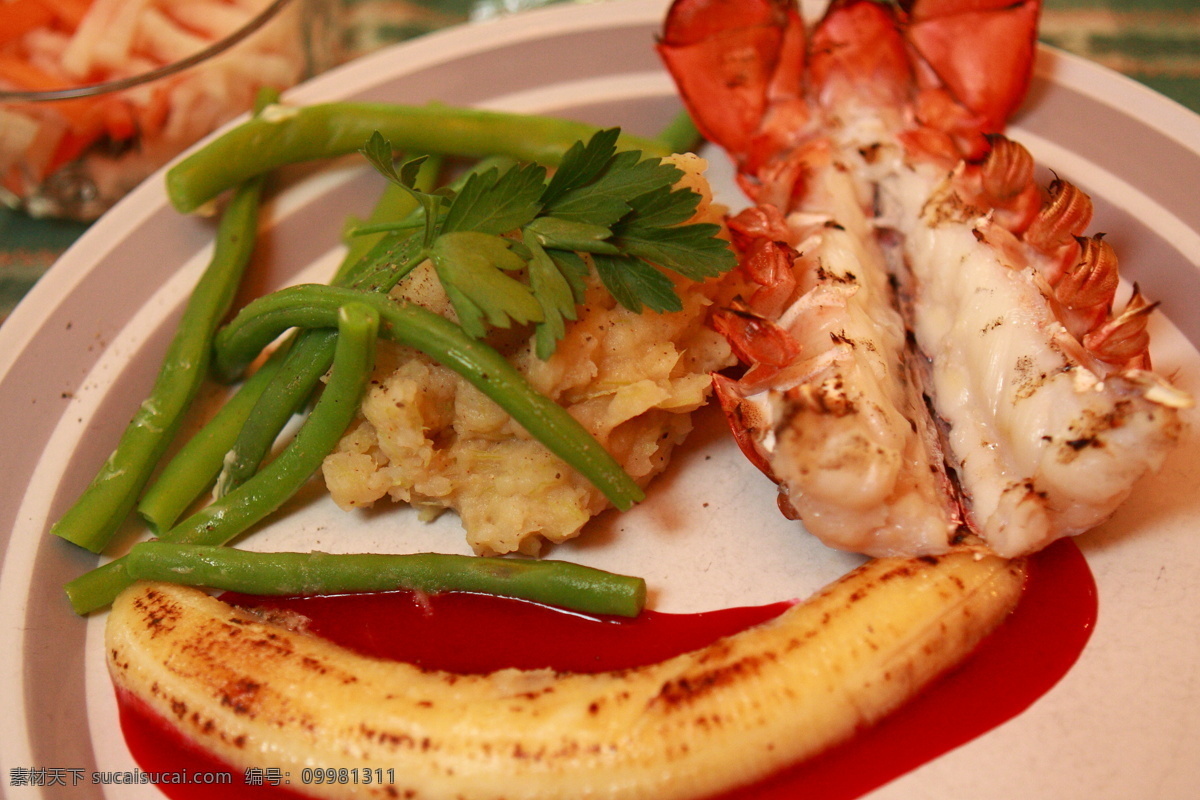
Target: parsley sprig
x: 509, y: 246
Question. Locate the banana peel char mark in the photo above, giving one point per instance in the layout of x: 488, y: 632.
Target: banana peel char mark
x: 257, y: 694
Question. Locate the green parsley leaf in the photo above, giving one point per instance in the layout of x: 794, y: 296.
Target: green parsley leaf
x: 392, y: 257
x: 581, y: 165
x: 495, y: 202
x: 508, y: 246
x: 632, y: 176
x: 605, y: 200
x: 633, y: 283
x: 693, y: 251
x: 565, y: 234
x: 378, y: 151
x: 661, y: 208
x: 574, y: 269
x: 554, y: 293
x: 471, y: 267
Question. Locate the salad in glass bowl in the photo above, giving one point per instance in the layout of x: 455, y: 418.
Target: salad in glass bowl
x: 95, y: 95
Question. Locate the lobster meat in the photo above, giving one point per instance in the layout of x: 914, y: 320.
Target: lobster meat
x: 935, y: 355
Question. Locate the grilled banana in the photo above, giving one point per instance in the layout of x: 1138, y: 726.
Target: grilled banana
x: 257, y: 694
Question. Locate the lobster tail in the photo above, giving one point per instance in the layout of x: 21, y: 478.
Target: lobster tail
x: 933, y: 358
x: 744, y: 68
x: 857, y: 50
x: 981, y: 51
x: 738, y: 63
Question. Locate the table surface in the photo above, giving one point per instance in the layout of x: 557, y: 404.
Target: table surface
x: 1154, y: 41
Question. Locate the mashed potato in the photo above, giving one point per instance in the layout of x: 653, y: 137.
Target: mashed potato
x: 428, y: 438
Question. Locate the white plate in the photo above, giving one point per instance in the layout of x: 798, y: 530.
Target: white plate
x: 80, y: 351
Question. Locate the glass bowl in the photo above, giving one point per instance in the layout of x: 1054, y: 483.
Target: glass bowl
x: 95, y: 95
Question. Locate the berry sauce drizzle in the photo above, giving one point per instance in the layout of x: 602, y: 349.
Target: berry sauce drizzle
x: 470, y: 633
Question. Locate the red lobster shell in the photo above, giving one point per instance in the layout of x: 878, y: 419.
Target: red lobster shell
x: 933, y: 355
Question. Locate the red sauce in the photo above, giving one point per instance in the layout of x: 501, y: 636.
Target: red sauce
x: 477, y: 633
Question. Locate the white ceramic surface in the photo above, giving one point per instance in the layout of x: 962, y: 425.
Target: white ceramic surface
x: 78, y: 354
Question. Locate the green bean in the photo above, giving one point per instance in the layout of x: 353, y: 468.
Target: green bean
x: 95, y: 517
x: 409, y: 324
x: 196, y: 465
x: 284, y: 396
x: 203, y: 457
x: 556, y: 583
x: 163, y: 501
x: 291, y: 135
x: 227, y: 518
x: 378, y: 269
x: 391, y: 258
x: 681, y: 134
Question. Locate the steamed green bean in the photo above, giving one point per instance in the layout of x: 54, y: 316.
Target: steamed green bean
x: 197, y: 463
x: 313, y: 306
x: 227, y: 518
x: 286, y: 135
x: 98, y: 513
x: 557, y: 583
x: 230, y: 437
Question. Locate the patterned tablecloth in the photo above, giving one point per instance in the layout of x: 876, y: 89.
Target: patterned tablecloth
x: 1154, y: 41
